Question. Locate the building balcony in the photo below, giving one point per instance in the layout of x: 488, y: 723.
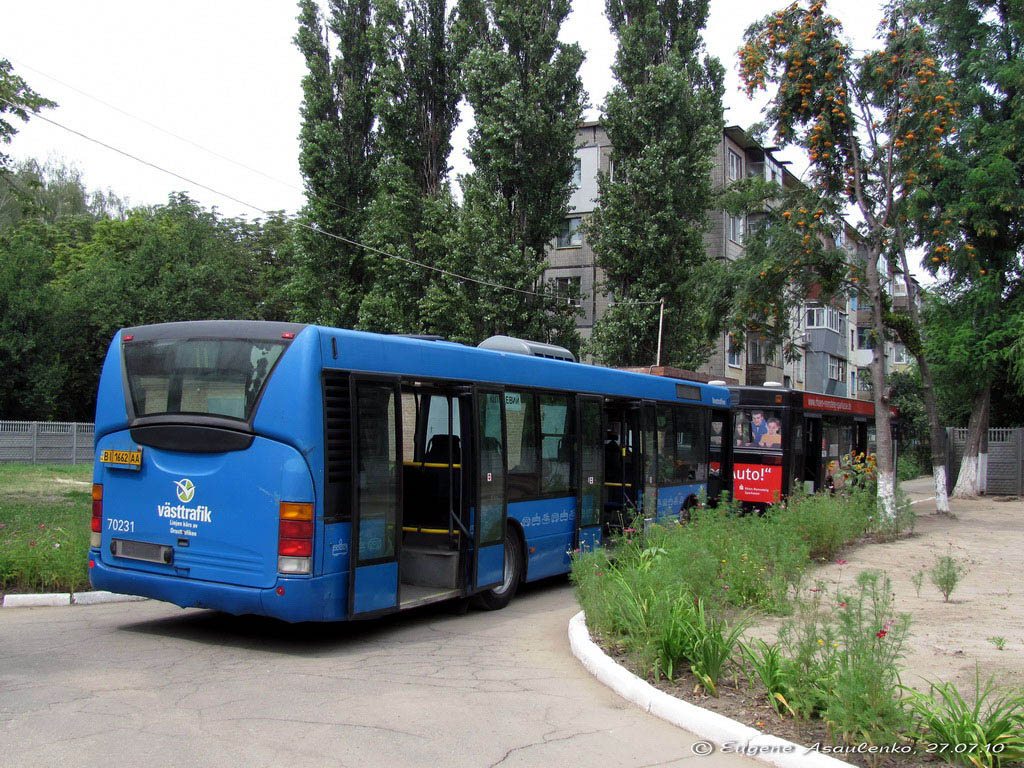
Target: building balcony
x: 759, y: 373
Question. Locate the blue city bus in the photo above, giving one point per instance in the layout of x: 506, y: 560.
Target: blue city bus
x: 315, y: 474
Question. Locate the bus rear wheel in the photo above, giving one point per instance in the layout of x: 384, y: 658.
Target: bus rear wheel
x: 501, y: 595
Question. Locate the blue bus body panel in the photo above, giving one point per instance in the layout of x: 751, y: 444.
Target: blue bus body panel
x: 111, y: 411
x: 548, y: 527
x: 304, y: 599
x: 491, y: 564
x: 590, y: 539
x: 218, y: 512
x: 361, y: 351
x: 376, y: 587
x: 672, y: 498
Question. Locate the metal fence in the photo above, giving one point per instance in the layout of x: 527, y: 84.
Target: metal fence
x: 46, y: 442
x: 1003, y: 473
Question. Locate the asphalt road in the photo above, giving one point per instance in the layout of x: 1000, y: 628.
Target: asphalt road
x: 148, y: 684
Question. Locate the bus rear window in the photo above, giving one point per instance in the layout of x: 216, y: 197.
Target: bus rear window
x: 207, y: 377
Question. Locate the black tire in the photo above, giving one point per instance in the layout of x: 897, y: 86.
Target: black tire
x: 497, y: 598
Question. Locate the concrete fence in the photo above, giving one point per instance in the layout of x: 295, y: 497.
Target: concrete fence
x: 46, y: 442
x: 1003, y: 472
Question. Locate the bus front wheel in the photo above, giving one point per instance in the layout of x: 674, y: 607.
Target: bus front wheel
x: 501, y: 595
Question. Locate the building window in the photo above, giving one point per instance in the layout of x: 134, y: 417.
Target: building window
x: 759, y: 352
x: 853, y: 383
x: 836, y: 368
x: 570, y: 236
x: 736, y: 228
x: 570, y: 288
x: 824, y: 317
x: 899, y: 287
x: 577, y: 172
x: 735, y: 166
x: 732, y: 357
x: 899, y: 355
x: 865, y: 337
x: 864, y: 379
x: 841, y: 237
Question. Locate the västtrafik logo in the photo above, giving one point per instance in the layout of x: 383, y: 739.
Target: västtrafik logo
x: 185, y: 490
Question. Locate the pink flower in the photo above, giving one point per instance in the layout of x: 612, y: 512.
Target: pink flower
x: 840, y: 562
x: 41, y: 525
x: 31, y: 543
x: 881, y: 633
x: 842, y: 605
x: 725, y: 586
x: 815, y: 590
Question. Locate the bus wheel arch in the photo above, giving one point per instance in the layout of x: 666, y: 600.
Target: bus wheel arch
x: 515, y: 555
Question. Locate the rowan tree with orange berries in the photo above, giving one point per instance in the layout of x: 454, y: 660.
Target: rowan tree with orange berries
x: 866, y: 120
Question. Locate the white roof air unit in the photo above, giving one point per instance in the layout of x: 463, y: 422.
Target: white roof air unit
x: 524, y: 347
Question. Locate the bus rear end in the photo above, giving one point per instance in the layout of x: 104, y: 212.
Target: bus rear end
x: 204, y: 493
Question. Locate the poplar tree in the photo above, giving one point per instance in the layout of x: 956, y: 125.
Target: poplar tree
x: 18, y: 100
x: 527, y: 98
x: 420, y: 51
x: 336, y: 158
x: 664, y: 121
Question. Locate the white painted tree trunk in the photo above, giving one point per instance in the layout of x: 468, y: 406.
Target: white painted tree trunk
x: 941, y: 492
x: 967, y: 481
x: 983, y: 471
x: 968, y: 484
x: 887, y: 495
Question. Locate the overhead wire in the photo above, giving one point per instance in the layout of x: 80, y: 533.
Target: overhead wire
x: 311, y: 228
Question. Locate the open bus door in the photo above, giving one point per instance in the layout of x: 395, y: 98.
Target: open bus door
x: 814, y: 454
x: 377, y: 428
x: 719, y: 454
x: 648, y: 430
x: 590, y: 480
x: 489, y: 550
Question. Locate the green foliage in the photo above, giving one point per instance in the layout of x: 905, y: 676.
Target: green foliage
x: 337, y: 155
x: 990, y: 728
x: 841, y: 655
x: 664, y: 121
x: 789, y: 256
x: 946, y: 574
x: 19, y: 100
x: 66, y: 286
x: 917, y: 580
x: 44, y: 528
x: 527, y: 98
x: 769, y: 667
x: 998, y: 641
x: 906, y: 393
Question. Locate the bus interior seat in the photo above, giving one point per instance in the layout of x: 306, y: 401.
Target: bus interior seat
x: 438, y: 450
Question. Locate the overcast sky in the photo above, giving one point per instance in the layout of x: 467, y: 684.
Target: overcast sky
x: 224, y: 75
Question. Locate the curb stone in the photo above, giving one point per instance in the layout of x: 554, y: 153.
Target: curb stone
x: 66, y: 598
x: 702, y: 723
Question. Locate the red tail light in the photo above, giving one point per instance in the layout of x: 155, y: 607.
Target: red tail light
x: 96, y: 525
x: 295, y: 538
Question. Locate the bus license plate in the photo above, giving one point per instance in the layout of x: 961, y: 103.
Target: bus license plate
x: 142, y: 550
x: 126, y: 459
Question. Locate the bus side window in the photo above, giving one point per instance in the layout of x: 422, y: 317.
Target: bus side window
x: 667, y: 469
x: 691, y: 445
x: 556, y: 427
x: 438, y: 442
x: 521, y: 428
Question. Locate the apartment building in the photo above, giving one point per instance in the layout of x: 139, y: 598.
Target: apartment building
x: 832, y: 336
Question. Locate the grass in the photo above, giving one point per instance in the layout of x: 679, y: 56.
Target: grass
x: 44, y: 527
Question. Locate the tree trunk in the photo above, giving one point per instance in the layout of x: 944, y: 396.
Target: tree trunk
x: 936, y: 433
x: 883, y: 420
x: 968, y: 484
